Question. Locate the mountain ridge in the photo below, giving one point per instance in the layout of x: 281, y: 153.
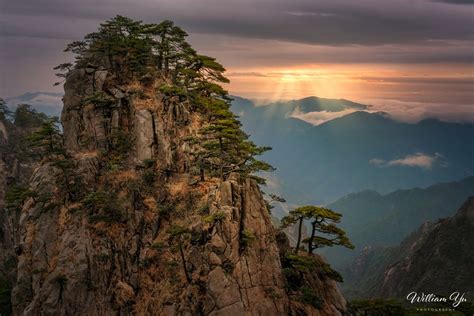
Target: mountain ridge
x: 374, y: 220
x: 435, y: 258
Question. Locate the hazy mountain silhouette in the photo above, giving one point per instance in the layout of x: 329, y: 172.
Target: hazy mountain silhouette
x: 372, y: 220
x: 358, y: 151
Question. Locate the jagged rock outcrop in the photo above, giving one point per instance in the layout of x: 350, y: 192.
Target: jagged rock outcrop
x: 16, y: 166
x: 142, y: 235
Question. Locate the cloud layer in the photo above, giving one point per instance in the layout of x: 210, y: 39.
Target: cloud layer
x: 317, y: 118
x: 418, y: 160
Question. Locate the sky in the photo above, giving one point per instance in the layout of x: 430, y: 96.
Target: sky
x: 410, y: 58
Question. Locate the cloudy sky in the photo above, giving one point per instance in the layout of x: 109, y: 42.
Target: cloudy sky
x: 411, y: 58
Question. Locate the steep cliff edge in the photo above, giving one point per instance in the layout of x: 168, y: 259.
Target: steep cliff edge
x: 124, y: 224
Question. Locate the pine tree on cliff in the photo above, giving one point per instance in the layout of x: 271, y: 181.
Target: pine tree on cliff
x: 322, y: 220
x: 4, y: 110
x: 226, y: 148
x: 48, y: 137
x: 135, y: 50
x: 119, y: 45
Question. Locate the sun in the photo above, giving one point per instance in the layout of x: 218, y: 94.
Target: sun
x: 297, y: 83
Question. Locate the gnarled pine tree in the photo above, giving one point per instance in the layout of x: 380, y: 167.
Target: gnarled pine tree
x: 322, y: 220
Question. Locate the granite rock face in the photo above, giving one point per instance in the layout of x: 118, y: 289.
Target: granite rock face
x: 146, y: 237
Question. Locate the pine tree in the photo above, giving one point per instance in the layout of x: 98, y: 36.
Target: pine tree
x: 27, y: 117
x: 225, y: 148
x: 297, y: 215
x: 322, y: 220
x: 4, y: 110
x: 48, y: 137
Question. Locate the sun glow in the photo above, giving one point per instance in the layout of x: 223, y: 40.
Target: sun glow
x: 357, y: 82
x: 277, y: 84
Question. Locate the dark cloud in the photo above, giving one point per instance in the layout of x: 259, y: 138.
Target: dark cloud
x: 455, y: 1
x: 326, y: 22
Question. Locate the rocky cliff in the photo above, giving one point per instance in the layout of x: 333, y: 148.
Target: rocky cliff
x: 17, y: 162
x: 122, y: 225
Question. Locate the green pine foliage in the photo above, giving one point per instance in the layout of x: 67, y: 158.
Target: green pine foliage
x: 215, y: 218
x: 5, y: 112
x: 27, y: 117
x: 323, y: 221
x: 179, y: 235
x: 48, y: 138
x: 246, y: 238
x: 104, y: 206
x: 308, y: 296
x: 15, y: 196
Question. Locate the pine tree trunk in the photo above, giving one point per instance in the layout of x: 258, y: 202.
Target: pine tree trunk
x: 311, y: 239
x: 298, y: 242
x: 221, y: 153
x: 181, y: 252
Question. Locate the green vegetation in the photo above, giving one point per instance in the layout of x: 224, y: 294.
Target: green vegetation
x: 103, y: 206
x: 5, y: 112
x: 322, y: 220
x: 309, y: 297
x: 273, y: 198
x: 48, y: 138
x: 39, y: 136
x: 158, y: 246
x: 178, y: 235
x: 296, y: 266
x: 119, y: 144
x: 225, y: 148
x: 100, y: 99
x: 16, y: 196
x: 308, y: 263
x: 27, y: 117
x: 149, y: 174
x: 217, y: 217
x: 246, y: 238
x: 70, y: 182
